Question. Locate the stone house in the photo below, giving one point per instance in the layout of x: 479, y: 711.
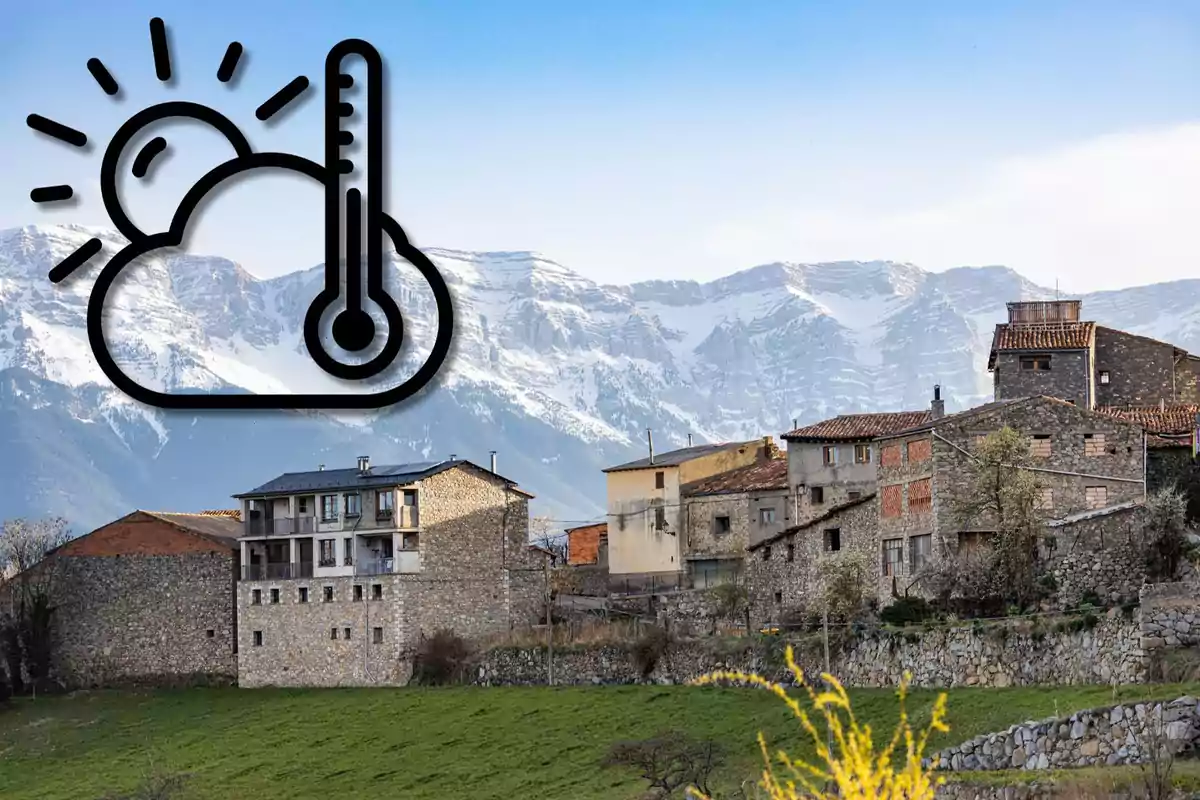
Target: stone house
x: 783, y: 571
x: 645, y: 509
x: 724, y: 514
x: 833, y: 461
x: 1085, y: 461
x: 345, y: 570
x: 145, y: 599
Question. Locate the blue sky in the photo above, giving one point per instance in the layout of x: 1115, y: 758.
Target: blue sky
x: 682, y: 140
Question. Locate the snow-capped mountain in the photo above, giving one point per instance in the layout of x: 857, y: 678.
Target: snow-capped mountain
x: 558, y: 374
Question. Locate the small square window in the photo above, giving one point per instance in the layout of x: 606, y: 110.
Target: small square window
x: 303, y: 594
x: 720, y: 525
x: 333, y: 633
x: 258, y: 638
x: 1093, y: 444
x: 345, y: 633
x: 766, y: 516
x: 328, y: 594
x: 660, y: 480
x: 1036, y: 363
x: 376, y: 591
x: 274, y: 596
x: 829, y: 455
x: 377, y: 635
x: 358, y: 592
x: 862, y: 454
x: 256, y: 597
x: 853, y: 496
x: 1039, y: 447
x: 779, y: 598
x: 211, y: 633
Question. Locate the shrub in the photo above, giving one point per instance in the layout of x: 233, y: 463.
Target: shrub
x: 1164, y: 532
x: 156, y: 787
x: 441, y: 659
x: 670, y: 761
x: 906, y: 611
x: 651, y: 647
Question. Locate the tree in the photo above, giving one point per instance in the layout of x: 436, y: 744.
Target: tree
x: 1165, y: 532
x: 671, y: 761
x: 25, y: 620
x: 543, y: 534
x: 843, y: 585
x: 1003, y: 495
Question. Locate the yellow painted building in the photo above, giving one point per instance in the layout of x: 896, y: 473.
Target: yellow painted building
x: 644, y: 506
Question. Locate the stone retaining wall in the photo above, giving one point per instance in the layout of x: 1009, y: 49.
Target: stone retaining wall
x: 1170, y: 615
x: 1123, y: 734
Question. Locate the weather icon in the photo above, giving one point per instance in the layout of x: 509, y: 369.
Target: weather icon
x: 355, y: 225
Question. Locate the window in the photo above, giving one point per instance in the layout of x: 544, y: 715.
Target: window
x: 376, y: 591
x: 333, y: 633
x: 302, y: 505
x: 779, y: 598
x: 383, y: 504
x: 377, y: 635
x: 1039, y: 445
x: 327, y: 557
x: 258, y: 639
x: 791, y: 552
x: 1104, y: 376
x: 410, y: 498
x: 303, y: 592
x: 211, y: 633
x: 829, y: 455
x: 1045, y: 500
x: 345, y: 633
x: 1093, y: 444
x: 348, y: 552
x: 853, y: 496
x: 1095, y: 496
x: 862, y: 454
x: 817, y: 495
x: 410, y: 542
x: 889, y: 456
x: 720, y: 525
x: 256, y: 597
x: 353, y: 505
x: 833, y: 539
x: 660, y: 518
x: 892, y: 500
x: 920, y: 496
x: 274, y: 596
x: 1036, y: 363
x: 328, y: 594
x: 919, y: 548
x: 893, y: 556
x: 358, y: 592
x: 766, y: 516
x: 329, y: 508
x: 767, y: 553
x: 919, y: 450
x: 660, y: 480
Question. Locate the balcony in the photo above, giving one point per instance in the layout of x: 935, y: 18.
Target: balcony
x: 406, y: 562
x: 279, y: 571
x: 280, y: 526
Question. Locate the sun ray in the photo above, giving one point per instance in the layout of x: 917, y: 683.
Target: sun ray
x: 276, y: 102
x: 229, y: 63
x: 77, y: 259
x: 57, y: 130
x: 162, y: 53
x: 51, y: 194
x: 103, y: 77
x: 141, y: 162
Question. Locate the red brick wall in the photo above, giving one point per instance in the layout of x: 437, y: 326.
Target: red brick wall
x: 889, y: 456
x: 583, y: 544
x: 892, y: 499
x: 920, y: 494
x: 919, y: 450
x: 139, y: 534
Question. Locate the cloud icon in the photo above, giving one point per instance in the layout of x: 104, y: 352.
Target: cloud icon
x: 175, y: 236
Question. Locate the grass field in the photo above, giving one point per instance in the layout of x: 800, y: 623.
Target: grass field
x: 430, y: 743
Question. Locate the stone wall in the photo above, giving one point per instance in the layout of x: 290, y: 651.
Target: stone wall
x: 144, y: 619
x: 1174, y: 466
x: 1103, y: 555
x: 1068, y: 376
x: 1141, y: 371
x: 1012, y: 654
x: 699, y: 521
x: 1123, y: 734
x: 478, y: 577
x: 1170, y: 616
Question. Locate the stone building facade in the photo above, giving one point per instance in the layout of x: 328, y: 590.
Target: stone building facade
x: 146, y: 599
x: 1084, y: 460
x: 476, y: 576
x: 783, y: 572
x: 722, y: 515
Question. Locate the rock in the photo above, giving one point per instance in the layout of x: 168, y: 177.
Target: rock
x: 1078, y: 729
x: 1018, y: 757
x: 1090, y: 748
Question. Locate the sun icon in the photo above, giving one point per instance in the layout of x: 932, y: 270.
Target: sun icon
x: 153, y: 148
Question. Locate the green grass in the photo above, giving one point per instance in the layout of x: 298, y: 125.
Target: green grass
x: 431, y: 743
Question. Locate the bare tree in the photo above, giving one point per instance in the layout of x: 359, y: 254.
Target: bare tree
x: 670, y: 762
x: 1165, y: 532
x: 543, y: 534
x: 1158, y: 754
x: 25, y: 617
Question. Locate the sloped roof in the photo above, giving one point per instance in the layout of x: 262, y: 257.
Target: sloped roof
x: 761, y: 477
x: 221, y: 529
x: 1179, y: 418
x: 1092, y: 513
x: 376, y: 477
x: 232, y: 513
x: 674, y: 458
x: 848, y: 427
x: 1041, y: 336
x: 828, y: 515
x: 958, y: 416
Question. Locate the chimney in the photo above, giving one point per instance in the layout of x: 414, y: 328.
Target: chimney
x: 770, y: 451
x: 493, y: 453
x: 689, y: 440
x: 1162, y: 404
x: 938, y: 406
x: 795, y: 423
x: 454, y: 456
x: 320, y: 467
x: 650, y: 443
x: 364, y: 465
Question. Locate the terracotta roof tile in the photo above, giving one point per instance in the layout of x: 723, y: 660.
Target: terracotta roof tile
x: 231, y: 513
x: 1042, y: 336
x: 859, y: 426
x: 1172, y: 419
x: 754, y: 478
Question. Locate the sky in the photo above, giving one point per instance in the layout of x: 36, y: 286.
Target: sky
x: 671, y: 140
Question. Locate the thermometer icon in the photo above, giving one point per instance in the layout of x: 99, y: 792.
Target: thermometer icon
x: 354, y: 218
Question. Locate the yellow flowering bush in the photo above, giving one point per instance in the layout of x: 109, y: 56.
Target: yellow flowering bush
x: 847, y: 764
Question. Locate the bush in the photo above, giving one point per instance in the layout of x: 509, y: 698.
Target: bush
x: 906, y: 611
x: 649, y: 649
x: 669, y: 762
x: 444, y: 658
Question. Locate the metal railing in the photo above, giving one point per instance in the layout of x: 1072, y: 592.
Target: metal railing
x: 626, y: 585
x: 278, y: 571
x: 280, y: 526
